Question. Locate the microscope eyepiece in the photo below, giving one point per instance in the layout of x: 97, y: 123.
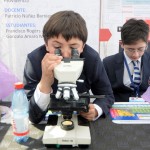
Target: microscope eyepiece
x: 58, y: 52
x: 75, y: 53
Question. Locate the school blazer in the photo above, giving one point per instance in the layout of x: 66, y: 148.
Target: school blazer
x: 93, y: 74
x: 114, y: 66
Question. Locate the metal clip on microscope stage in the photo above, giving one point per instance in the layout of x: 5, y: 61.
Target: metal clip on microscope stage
x: 66, y: 129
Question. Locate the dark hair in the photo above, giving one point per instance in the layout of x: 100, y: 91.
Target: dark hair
x: 67, y: 23
x: 134, y: 30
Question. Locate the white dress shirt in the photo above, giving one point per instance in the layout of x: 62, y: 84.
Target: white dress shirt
x: 42, y: 100
x: 126, y: 78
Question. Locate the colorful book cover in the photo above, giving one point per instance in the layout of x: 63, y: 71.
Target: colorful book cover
x: 130, y: 113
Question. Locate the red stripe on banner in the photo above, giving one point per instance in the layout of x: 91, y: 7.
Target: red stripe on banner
x: 104, y: 35
x: 148, y: 22
x: 21, y: 134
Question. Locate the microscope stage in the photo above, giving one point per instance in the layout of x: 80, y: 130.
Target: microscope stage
x: 54, y: 134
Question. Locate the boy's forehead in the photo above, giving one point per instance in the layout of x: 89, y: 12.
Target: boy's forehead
x: 61, y: 38
x: 136, y: 44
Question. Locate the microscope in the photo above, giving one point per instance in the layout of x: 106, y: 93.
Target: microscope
x: 67, y: 127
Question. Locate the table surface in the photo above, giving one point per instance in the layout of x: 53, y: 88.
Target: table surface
x: 105, y: 136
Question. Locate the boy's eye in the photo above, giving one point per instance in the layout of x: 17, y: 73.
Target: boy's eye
x: 73, y: 47
x: 57, y: 47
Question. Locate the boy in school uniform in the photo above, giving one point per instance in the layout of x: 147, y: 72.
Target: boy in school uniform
x: 129, y: 70
x: 65, y: 30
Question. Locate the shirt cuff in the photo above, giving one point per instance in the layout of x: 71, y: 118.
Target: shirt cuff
x: 41, y: 99
x: 99, y: 110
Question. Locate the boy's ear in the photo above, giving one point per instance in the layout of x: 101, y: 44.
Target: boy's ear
x: 83, y: 45
x: 46, y: 46
x: 121, y: 44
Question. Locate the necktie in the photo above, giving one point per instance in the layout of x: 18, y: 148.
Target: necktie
x: 136, y: 74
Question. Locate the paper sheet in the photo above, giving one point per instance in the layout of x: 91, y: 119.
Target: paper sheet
x: 146, y: 95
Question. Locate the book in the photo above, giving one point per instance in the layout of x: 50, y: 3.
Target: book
x: 130, y: 113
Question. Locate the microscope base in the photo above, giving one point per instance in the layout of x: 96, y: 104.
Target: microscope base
x: 55, y: 135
